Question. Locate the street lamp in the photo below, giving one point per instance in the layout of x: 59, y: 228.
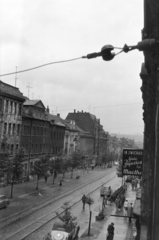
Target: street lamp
x: 107, y: 54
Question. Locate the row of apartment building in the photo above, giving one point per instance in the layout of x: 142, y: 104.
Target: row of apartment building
x: 28, y: 124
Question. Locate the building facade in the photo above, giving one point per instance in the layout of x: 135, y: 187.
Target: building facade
x: 11, y: 107
x: 150, y: 93
x: 41, y: 134
x: 91, y: 124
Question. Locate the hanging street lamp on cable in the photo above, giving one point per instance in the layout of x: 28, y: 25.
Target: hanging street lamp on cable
x: 107, y: 54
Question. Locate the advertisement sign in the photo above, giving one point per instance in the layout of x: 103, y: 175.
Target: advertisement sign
x: 132, y: 162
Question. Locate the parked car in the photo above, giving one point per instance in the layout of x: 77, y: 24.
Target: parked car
x: 60, y: 231
x: 3, y: 183
x: 4, y: 202
x: 103, y: 190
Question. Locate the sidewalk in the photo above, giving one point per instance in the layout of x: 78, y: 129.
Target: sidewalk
x: 123, y: 229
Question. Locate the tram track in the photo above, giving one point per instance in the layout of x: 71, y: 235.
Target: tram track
x: 31, y: 228
x: 38, y: 206
x: 45, y: 218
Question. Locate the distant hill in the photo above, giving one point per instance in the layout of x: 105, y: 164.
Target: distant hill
x: 138, y: 138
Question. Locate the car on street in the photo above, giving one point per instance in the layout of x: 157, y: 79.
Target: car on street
x: 61, y: 231
x: 4, y: 202
x: 116, y: 163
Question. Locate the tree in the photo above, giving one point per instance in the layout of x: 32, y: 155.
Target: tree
x: 41, y: 168
x: 15, y: 168
x: 67, y: 216
x: 55, y: 166
x: 4, y: 156
x: 75, y: 161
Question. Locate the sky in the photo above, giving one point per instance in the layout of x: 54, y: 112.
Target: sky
x: 37, y: 32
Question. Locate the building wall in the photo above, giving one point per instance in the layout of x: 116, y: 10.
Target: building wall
x: 86, y: 145
x: 11, y: 122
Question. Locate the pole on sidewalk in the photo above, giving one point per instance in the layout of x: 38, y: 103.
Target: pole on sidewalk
x: 89, y: 227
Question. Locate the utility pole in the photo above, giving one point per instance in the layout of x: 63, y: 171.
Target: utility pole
x: 29, y: 87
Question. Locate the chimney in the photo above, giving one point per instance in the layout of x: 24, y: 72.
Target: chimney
x: 74, y: 110
x: 48, y: 110
x: 58, y: 114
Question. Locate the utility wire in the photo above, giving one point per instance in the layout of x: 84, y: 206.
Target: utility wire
x: 30, y: 69
x: 116, y: 105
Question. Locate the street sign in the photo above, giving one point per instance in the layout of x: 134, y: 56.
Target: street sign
x: 132, y: 162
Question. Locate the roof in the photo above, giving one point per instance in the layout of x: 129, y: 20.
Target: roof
x: 11, y: 90
x: 57, y: 120
x: 37, y: 103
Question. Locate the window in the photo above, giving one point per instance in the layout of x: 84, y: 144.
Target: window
x: 41, y: 130
x: 12, y: 148
x: 5, y: 128
x: 19, y: 109
x: 28, y: 130
x: 32, y: 148
x: 17, y: 147
x: 33, y: 130
x: 13, y: 132
x: 37, y: 131
x: 6, y: 108
x: 40, y: 150
x: 9, y: 129
x: 1, y: 105
x: 11, y: 107
x: 18, y: 130
x: 15, y: 108
x: 27, y: 149
x: 36, y: 150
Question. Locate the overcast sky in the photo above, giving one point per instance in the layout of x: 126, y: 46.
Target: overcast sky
x: 35, y: 32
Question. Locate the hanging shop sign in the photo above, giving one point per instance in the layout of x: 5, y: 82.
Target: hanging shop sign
x: 132, y: 162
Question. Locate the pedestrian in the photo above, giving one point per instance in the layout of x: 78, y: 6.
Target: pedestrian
x: 60, y: 183
x: 125, y: 207
x: 84, y: 201
x: 117, y: 202
x: 135, y: 184
x: 110, y: 231
x: 46, y: 179
x: 109, y: 191
x: 130, y: 211
x: 104, y: 201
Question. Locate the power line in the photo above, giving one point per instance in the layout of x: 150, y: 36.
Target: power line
x: 117, y: 105
x: 40, y: 66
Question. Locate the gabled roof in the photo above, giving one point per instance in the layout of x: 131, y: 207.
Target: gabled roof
x: 11, y: 91
x: 57, y: 120
x: 37, y: 103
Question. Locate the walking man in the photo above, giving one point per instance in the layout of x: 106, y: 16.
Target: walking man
x: 110, y: 231
x: 125, y: 207
x: 130, y: 211
x: 84, y: 201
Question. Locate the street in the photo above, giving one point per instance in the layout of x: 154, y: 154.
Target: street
x: 15, y: 229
